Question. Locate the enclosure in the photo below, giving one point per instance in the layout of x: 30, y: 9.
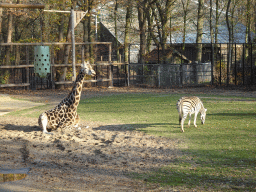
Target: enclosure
x: 175, y: 67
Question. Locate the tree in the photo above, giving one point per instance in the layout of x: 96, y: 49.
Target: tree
x: 185, y: 6
x: 142, y: 8
x: 229, y: 39
x: 200, y: 25
x: 127, y: 31
x: 161, y: 14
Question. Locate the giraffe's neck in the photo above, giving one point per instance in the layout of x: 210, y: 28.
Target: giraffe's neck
x: 75, y: 94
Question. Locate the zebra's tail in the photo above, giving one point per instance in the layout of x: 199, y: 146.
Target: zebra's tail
x: 179, y: 110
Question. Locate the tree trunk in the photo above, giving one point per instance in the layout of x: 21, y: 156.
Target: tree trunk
x: 229, y: 40
x: 65, y: 55
x: 248, y: 22
x: 9, y: 37
x: 185, y: 11
x: 217, y: 21
x: 142, y: 29
x: 212, y: 41
x: 200, y: 24
x: 199, y: 47
x: 1, y: 20
x: 116, y: 29
x: 127, y: 33
x: 90, y: 31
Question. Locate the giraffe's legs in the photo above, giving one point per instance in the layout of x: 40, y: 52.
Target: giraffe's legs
x: 43, y: 121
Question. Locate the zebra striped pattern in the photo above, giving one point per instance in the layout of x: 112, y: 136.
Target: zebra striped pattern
x: 190, y: 105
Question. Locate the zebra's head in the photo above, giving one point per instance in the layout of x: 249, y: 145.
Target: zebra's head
x: 203, y: 115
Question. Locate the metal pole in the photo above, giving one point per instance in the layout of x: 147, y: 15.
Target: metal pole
x: 251, y: 54
x: 128, y: 74
x: 235, y: 65
x: 159, y: 75
x: 73, y: 44
x: 243, y: 61
x: 220, y: 64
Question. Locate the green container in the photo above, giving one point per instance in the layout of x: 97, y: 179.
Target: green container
x: 42, y: 65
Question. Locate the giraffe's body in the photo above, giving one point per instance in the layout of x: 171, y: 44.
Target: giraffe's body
x: 65, y: 113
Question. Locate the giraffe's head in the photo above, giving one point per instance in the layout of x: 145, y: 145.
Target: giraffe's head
x: 87, y: 69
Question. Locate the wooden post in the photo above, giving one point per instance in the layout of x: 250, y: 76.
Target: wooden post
x: 109, y: 55
x: 110, y: 72
x: 27, y: 63
x: 73, y: 44
x: 128, y: 78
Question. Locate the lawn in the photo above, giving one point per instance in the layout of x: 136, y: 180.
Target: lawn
x: 217, y: 156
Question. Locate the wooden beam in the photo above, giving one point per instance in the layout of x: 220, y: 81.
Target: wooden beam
x: 85, y: 81
x: 15, y: 85
x: 29, y: 6
x: 55, y: 43
x: 15, y: 66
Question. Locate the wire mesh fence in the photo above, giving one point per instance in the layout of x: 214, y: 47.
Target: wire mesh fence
x: 229, y: 64
x: 169, y: 75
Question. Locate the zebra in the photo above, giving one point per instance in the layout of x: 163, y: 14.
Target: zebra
x: 190, y: 105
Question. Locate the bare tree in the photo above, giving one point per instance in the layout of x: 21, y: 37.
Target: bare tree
x: 200, y: 25
x: 127, y: 31
x: 185, y: 6
x: 229, y: 39
x: 142, y: 8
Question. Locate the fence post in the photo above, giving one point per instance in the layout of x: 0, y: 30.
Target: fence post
x: 128, y: 77
x: 235, y: 65
x: 243, y: 60
x: 181, y: 75
x: 212, y: 63
x: 251, y: 53
x: 110, y: 76
x: 27, y: 63
x: 220, y: 63
x: 159, y: 76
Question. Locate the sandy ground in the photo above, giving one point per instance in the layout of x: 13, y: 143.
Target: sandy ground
x: 99, y: 158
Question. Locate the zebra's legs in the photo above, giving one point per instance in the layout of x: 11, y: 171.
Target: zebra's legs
x: 195, y: 119
x: 44, y: 121
x: 189, y: 119
x: 182, y: 121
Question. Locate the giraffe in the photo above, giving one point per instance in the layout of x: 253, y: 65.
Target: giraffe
x: 65, y: 113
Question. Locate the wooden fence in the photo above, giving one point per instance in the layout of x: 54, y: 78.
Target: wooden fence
x: 26, y: 66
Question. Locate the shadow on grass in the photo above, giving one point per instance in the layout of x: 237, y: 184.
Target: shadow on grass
x: 157, y: 127
x: 233, y: 114
x: 207, y: 170
x: 169, y: 177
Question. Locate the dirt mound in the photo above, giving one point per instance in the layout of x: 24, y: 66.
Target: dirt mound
x: 98, y: 158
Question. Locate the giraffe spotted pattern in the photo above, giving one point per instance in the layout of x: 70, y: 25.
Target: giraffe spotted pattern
x: 64, y: 115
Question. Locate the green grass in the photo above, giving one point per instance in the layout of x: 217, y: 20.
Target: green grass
x: 217, y: 156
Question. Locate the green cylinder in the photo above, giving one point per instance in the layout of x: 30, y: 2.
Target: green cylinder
x: 42, y: 64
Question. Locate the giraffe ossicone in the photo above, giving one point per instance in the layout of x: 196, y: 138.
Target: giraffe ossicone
x: 65, y: 115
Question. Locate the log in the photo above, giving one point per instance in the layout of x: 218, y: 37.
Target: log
x: 29, y: 6
x: 15, y: 85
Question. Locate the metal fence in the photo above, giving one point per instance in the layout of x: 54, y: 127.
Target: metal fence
x: 229, y: 64
x: 169, y: 75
